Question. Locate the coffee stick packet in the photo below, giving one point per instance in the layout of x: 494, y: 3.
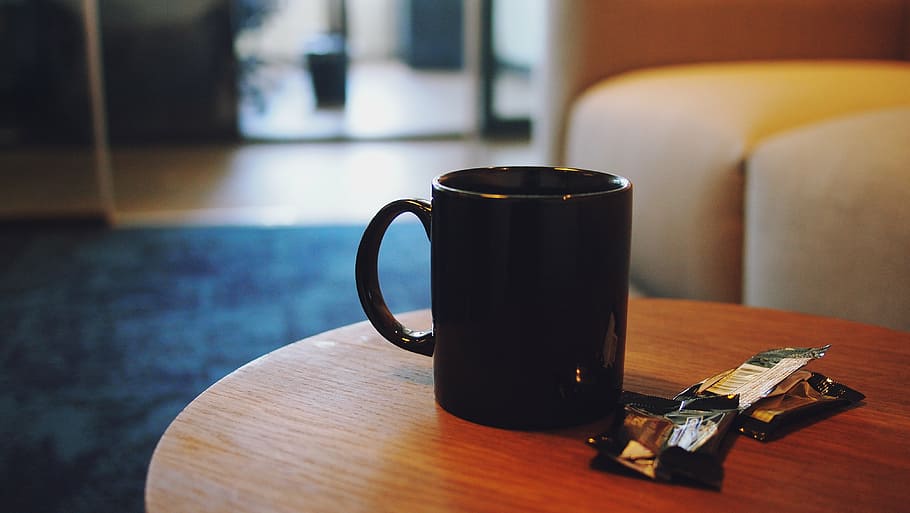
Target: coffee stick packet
x: 802, y: 395
x: 680, y: 439
x: 756, y: 377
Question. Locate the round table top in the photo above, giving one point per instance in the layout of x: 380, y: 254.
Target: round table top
x: 345, y: 421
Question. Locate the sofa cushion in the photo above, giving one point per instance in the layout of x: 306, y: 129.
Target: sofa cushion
x: 682, y: 134
x: 828, y: 219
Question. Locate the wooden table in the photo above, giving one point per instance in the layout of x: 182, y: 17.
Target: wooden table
x: 344, y: 421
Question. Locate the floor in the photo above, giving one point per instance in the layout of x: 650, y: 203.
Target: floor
x: 400, y: 129
x: 289, y: 183
x: 385, y: 98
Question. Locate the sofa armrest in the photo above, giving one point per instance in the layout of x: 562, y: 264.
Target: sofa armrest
x: 827, y: 219
x: 589, y: 40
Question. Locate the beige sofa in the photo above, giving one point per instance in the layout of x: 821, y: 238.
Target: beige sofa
x: 768, y: 142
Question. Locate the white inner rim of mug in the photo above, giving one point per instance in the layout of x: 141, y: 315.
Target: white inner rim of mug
x: 530, y: 182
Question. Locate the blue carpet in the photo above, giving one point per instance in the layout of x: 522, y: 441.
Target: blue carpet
x: 105, y: 335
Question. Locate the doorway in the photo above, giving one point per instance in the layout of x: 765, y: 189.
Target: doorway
x: 354, y: 70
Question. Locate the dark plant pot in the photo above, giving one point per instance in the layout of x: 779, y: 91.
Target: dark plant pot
x: 327, y: 61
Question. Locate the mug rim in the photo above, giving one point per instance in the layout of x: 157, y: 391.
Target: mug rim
x: 621, y: 183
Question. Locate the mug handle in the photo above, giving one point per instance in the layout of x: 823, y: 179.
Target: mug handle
x: 367, y: 275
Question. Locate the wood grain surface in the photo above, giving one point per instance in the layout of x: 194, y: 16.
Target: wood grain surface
x: 345, y: 421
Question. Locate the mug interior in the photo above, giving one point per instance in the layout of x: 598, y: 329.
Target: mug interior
x: 527, y: 181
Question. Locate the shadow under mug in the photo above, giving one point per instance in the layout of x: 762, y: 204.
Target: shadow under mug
x: 529, y: 274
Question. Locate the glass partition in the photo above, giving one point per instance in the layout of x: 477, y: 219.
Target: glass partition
x: 49, y: 162
x: 512, y: 35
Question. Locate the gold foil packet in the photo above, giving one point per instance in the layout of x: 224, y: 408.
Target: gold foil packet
x: 802, y: 396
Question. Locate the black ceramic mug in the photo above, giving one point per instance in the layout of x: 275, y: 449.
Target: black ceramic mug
x: 529, y: 273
